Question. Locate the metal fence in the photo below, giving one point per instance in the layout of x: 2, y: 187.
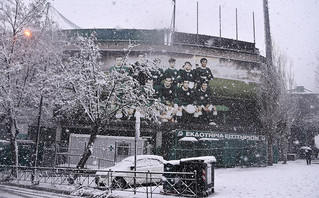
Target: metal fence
x: 69, y: 157
x: 151, y: 183
x: 71, y: 160
x: 66, y: 157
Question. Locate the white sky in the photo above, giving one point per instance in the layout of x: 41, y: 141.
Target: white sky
x: 294, y: 23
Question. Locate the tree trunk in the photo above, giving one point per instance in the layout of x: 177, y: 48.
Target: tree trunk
x: 89, y: 148
x: 284, y: 146
x: 270, y: 151
x: 37, y: 140
x: 14, y: 148
x: 87, y: 152
x: 284, y: 152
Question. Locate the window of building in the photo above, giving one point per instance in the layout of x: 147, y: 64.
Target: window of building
x: 123, y: 148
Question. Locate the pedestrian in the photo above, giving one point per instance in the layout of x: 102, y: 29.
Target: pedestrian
x: 308, y: 156
x: 315, y: 152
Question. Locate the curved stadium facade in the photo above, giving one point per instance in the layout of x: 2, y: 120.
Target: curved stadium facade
x: 234, y: 64
x: 236, y: 67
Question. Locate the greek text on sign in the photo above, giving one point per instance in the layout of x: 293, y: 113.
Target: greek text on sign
x: 220, y: 136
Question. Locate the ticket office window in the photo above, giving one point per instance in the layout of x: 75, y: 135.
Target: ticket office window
x: 123, y: 149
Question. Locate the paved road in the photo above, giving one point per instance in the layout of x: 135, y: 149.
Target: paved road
x: 17, y: 192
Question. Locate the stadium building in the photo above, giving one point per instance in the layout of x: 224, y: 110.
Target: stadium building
x: 235, y: 139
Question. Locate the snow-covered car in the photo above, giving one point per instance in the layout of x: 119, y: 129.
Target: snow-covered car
x: 122, y: 174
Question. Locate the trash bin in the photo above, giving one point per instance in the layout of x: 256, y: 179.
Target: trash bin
x: 186, y: 184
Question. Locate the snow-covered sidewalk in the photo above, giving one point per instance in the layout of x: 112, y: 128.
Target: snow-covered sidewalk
x: 293, y: 180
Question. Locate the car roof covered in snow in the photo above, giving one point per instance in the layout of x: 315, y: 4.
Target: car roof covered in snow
x: 129, y: 161
x: 138, y: 157
x: 206, y: 159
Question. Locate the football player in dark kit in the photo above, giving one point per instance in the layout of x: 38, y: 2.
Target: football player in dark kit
x: 157, y: 72
x: 203, y: 100
x: 167, y: 95
x: 203, y: 73
x: 187, y: 74
x: 172, y: 71
x: 185, y: 100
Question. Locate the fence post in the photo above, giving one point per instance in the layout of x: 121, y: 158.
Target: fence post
x: 196, y: 190
x: 110, y: 185
x: 52, y: 178
x: 148, y: 172
x: 55, y: 154
x: 151, y: 185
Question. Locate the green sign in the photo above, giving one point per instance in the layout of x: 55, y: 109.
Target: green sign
x: 220, y: 135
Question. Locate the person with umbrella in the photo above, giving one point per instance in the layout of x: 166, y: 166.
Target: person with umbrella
x: 308, y: 156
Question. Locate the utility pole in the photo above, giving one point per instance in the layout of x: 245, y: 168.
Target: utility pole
x: 267, y: 34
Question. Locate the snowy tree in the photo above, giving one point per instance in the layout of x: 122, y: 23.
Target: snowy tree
x: 96, y: 96
x: 287, y: 104
x: 26, y: 63
x: 277, y: 108
x: 312, y: 118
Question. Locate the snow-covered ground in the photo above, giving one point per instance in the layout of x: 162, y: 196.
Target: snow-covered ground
x: 292, y: 180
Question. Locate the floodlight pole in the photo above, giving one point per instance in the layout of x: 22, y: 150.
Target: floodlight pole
x: 220, y: 22
x: 236, y: 26
x: 254, y: 31
x: 174, y: 15
x: 197, y: 24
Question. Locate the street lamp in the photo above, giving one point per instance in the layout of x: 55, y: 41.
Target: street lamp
x: 27, y: 33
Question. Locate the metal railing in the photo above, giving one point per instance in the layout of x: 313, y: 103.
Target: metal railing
x: 71, y: 160
x: 69, y: 157
x: 176, y: 183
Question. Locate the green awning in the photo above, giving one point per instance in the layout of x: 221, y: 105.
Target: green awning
x: 221, y: 108
x: 233, y: 89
